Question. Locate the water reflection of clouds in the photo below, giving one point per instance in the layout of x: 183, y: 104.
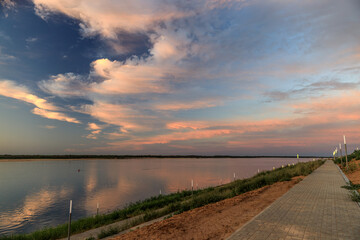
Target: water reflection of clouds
x: 34, y: 205
x: 110, y: 197
x: 174, y: 176
x: 110, y: 191
x: 111, y: 183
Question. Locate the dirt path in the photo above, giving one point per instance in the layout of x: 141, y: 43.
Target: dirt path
x: 213, y: 221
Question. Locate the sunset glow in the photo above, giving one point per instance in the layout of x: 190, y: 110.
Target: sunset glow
x: 208, y: 77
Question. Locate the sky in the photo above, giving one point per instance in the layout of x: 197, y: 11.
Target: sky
x: 209, y: 77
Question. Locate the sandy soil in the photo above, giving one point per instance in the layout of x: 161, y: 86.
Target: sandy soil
x: 213, y: 221
x: 354, y: 177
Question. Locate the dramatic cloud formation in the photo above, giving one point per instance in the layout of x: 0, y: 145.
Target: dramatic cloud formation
x: 211, y: 74
x: 108, y: 17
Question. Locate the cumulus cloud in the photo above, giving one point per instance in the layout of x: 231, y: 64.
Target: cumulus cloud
x: 43, y: 107
x: 65, y: 85
x: 202, y: 53
x: 7, y: 4
x: 107, y: 17
x: 121, y: 115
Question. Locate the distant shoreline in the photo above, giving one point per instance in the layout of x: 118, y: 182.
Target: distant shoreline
x: 10, y: 158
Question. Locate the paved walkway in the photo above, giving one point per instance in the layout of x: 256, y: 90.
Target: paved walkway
x: 315, y: 208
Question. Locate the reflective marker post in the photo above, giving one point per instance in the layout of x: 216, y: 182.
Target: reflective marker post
x: 69, y: 227
x: 192, y: 187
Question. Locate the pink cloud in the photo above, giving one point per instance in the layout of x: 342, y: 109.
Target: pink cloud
x: 133, y: 76
x: 185, y: 125
x: 54, y: 115
x: 103, y: 17
x: 49, y: 127
x: 94, y: 126
x: 117, y: 114
x: 11, y: 90
x: 95, y: 130
x: 185, y: 105
x: 43, y: 107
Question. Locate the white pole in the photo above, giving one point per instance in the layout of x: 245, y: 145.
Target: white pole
x: 340, y: 154
x: 69, y: 220
x: 192, y: 186
x: 234, y: 176
x: 347, y: 166
x: 97, y: 209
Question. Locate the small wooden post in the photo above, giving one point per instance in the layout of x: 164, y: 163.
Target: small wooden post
x: 347, y: 165
x: 69, y: 226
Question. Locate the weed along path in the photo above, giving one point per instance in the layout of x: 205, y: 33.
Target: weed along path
x: 316, y: 208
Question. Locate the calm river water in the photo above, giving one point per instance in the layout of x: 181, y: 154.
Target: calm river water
x: 36, y: 194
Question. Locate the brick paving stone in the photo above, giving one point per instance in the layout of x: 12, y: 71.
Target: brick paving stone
x: 315, y: 208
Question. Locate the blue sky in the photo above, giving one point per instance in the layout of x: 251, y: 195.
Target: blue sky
x: 157, y: 77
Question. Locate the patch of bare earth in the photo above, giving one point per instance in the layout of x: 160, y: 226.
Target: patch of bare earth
x: 354, y: 176
x: 214, y: 221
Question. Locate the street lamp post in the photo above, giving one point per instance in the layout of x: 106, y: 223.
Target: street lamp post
x: 347, y: 165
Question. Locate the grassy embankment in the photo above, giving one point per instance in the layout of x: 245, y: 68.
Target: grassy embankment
x: 354, y: 168
x: 173, y: 203
x: 351, y: 161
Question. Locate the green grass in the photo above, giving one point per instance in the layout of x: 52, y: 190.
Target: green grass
x: 109, y: 232
x: 162, y: 205
x: 352, y: 186
x: 355, y: 197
